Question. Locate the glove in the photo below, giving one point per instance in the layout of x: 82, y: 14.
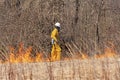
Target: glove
x: 52, y: 41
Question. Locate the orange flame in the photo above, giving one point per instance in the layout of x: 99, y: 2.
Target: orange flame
x: 109, y: 52
x: 38, y: 58
x: 24, y: 55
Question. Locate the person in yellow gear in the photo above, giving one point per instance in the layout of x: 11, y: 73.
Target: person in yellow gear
x: 56, y: 50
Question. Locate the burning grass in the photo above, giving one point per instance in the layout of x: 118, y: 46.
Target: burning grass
x: 24, y: 55
x: 20, y: 65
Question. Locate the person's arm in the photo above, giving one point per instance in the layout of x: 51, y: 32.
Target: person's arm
x: 53, y: 35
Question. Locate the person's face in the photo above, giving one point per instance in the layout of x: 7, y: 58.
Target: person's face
x: 58, y: 28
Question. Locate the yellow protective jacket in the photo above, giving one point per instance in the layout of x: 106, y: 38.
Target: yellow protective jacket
x: 54, y: 34
x: 56, y: 50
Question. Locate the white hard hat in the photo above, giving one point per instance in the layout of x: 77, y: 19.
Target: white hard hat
x: 57, y: 24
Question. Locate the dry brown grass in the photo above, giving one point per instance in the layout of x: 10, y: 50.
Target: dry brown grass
x: 89, y: 24
x: 86, y: 22
x: 89, y: 69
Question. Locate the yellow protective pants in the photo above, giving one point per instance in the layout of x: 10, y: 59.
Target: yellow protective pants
x: 56, y: 52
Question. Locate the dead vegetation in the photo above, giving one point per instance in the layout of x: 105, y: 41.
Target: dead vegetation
x: 76, y: 66
x: 89, y: 69
x: 90, y: 24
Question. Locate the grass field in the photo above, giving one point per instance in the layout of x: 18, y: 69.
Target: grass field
x: 88, y: 69
x: 21, y: 65
x: 89, y: 39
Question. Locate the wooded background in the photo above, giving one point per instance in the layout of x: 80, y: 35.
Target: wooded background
x: 91, y: 24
